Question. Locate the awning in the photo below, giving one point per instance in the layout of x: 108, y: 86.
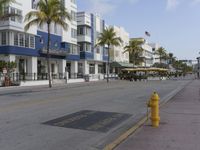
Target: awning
x: 146, y: 69
x: 121, y: 65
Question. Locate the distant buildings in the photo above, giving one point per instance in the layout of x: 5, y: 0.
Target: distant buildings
x: 73, y: 51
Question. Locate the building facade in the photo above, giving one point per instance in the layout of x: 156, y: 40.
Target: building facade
x: 118, y: 58
x: 29, y: 49
x: 147, y: 54
x: 92, y: 57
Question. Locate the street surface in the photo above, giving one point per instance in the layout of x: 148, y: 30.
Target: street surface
x: 179, y: 128
x: 28, y: 115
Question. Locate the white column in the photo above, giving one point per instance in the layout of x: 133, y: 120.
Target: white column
x: 85, y: 67
x: 32, y: 67
x: 12, y: 58
x: 61, y: 68
x: 96, y: 68
x: 74, y: 68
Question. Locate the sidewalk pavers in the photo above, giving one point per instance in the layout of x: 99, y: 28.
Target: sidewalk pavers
x: 179, y: 127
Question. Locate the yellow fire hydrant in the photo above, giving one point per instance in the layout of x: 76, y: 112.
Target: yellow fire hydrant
x: 154, y: 105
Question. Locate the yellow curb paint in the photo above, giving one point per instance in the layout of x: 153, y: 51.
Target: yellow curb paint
x: 125, y: 135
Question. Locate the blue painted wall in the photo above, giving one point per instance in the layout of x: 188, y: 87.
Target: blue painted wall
x: 87, y: 55
x: 56, y: 43
x: 18, y: 51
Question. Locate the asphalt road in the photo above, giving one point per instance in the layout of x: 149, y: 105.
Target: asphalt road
x: 24, y: 111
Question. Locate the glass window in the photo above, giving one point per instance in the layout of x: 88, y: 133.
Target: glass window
x: 100, y: 68
x: 19, y: 17
x: 21, y: 40
x: 80, y: 31
x: 88, y: 47
x: 73, y: 15
x: 92, y: 69
x: 80, y: 68
x: 12, y: 12
x: 26, y: 40
x: 5, y: 12
x: 73, y: 33
x: 55, y: 28
x: 3, y: 38
x: 81, y: 46
x: 32, y: 42
x: 16, y: 39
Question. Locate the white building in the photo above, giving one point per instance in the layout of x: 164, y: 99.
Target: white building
x: 155, y: 46
x: 117, y: 52
x: 92, y: 57
x: 28, y: 49
x: 148, y: 53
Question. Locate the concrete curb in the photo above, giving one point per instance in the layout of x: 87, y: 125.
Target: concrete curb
x: 143, y: 120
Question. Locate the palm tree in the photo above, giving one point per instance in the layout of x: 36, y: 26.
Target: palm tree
x: 48, y: 12
x: 3, y: 3
x: 109, y: 38
x: 135, y: 49
x: 162, y: 53
x: 171, y: 58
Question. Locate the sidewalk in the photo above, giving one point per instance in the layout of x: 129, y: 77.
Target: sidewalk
x: 179, y: 128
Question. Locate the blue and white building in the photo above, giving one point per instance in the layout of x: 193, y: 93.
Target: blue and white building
x: 28, y: 49
x: 92, y: 57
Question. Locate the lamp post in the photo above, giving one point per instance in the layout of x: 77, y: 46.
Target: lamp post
x: 198, y: 67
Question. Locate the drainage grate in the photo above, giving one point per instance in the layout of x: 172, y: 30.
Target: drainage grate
x: 90, y: 120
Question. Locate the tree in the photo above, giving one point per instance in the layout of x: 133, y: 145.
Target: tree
x: 135, y: 50
x: 48, y: 12
x: 171, y: 58
x: 161, y: 52
x: 3, y: 4
x: 109, y: 38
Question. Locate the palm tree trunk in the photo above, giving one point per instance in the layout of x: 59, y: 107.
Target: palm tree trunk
x: 48, y: 56
x: 160, y: 59
x: 108, y: 64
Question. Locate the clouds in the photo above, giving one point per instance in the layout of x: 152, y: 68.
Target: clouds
x: 104, y: 7
x: 172, y: 4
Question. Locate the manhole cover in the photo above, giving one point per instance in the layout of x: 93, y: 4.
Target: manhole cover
x: 90, y: 120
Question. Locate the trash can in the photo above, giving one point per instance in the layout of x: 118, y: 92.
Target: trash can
x: 87, y: 78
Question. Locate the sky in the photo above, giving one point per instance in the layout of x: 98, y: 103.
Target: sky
x: 174, y: 24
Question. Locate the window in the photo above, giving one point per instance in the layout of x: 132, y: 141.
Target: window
x: 88, y: 31
x: 100, y: 68
x: 80, y: 31
x: 73, y: 33
x: 16, y: 40
x: 21, y: 40
x: 6, y: 11
x: 12, y: 12
x: 55, y: 28
x: 73, y: 1
x: 73, y: 15
x: 32, y: 42
x: 92, y: 69
x: 19, y: 17
x: 88, y: 47
x: 98, y: 50
x: 74, y: 49
x: 3, y: 38
x: 81, y: 46
x: 80, y: 68
x: 26, y: 40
